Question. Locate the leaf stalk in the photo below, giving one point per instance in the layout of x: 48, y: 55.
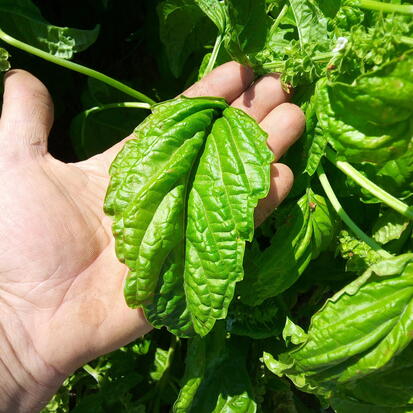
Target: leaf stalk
x: 385, y: 7
x: 345, y: 217
x: 370, y: 186
x: 214, y: 55
x: 76, y: 67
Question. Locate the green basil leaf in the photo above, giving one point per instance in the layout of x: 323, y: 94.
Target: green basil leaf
x: 216, y: 11
x: 363, y: 121
x: 247, y: 28
x: 345, y: 405
x: 161, y: 363
x: 306, y: 230
x: 391, y: 387
x: 311, y: 24
x: 357, y: 333
x: 184, y: 28
x: 225, y: 384
x: 395, y: 176
x: 23, y: 20
x: 390, y: 226
x: 316, y: 136
x: 4, y: 60
x: 195, y: 365
x: 329, y: 7
x: 183, y: 197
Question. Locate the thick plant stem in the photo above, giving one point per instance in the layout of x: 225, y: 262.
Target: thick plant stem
x: 214, y: 55
x: 76, y: 67
x: 370, y: 186
x: 384, y: 7
x: 406, y: 40
x: 345, y: 217
x: 134, y: 105
x: 277, y: 21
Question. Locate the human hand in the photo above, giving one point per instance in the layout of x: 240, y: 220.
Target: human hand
x: 61, y: 295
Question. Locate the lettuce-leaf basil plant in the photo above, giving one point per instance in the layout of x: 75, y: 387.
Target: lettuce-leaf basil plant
x: 314, y: 309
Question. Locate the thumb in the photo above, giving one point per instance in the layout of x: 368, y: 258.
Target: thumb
x: 27, y: 116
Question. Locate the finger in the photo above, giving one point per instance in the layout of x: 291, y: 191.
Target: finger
x: 282, y: 180
x: 27, y: 115
x: 227, y: 81
x: 262, y: 97
x: 284, y: 125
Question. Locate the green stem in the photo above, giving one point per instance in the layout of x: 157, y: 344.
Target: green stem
x: 76, y: 67
x: 370, y: 186
x: 279, y: 65
x: 345, y: 217
x: 96, y: 109
x: 323, y: 57
x: 277, y: 21
x: 214, y: 55
x: 90, y: 370
x: 406, y: 40
x: 165, y: 377
x: 135, y: 105
x: 276, y: 66
x: 384, y: 7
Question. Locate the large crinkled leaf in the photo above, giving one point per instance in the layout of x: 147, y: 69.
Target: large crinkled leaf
x: 23, y: 20
x: 183, y: 197
x: 216, y: 378
x: 229, y: 180
x: 391, y: 388
x: 387, y: 391
x: 363, y: 121
x: 358, y: 334
x: 306, y: 229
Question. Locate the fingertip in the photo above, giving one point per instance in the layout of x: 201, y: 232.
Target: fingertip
x: 19, y: 82
x: 262, y: 97
x: 284, y: 125
x: 282, y: 180
x: 227, y: 81
x: 243, y: 75
x: 27, y: 113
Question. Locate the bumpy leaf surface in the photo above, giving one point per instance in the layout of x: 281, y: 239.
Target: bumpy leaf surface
x: 183, y: 196
x: 306, y: 230
x: 216, y: 378
x: 370, y: 120
x: 356, y: 338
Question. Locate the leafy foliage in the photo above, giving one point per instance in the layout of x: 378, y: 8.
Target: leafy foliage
x: 22, y: 19
x: 326, y: 296
x: 185, y: 256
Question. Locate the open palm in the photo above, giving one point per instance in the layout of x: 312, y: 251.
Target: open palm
x: 61, y: 298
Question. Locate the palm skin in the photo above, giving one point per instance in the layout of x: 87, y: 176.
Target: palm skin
x: 61, y: 295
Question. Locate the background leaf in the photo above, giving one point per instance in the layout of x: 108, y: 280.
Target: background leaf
x: 23, y: 20
x: 184, y: 28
